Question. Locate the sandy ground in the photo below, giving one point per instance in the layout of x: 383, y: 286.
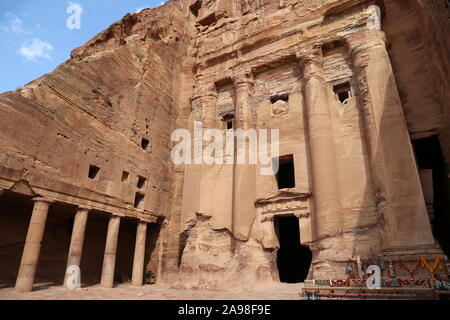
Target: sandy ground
x: 154, y: 292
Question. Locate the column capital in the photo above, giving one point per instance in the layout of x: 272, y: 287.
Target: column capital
x: 365, y: 40
x: 205, y: 96
x: 312, y: 54
x: 203, y: 103
x: 42, y: 200
x: 311, y: 63
x: 204, y: 92
x: 83, y: 209
x: 242, y: 78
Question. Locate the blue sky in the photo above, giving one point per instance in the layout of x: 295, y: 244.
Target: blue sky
x: 35, y: 37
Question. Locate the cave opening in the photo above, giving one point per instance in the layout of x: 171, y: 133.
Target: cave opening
x: 195, y: 7
x: 293, y: 259
x: 430, y: 157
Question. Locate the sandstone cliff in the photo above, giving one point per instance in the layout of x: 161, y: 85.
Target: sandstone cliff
x: 96, y: 131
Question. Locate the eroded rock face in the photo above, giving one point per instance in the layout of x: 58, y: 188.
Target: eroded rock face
x: 215, y: 259
x: 331, y: 76
x: 95, y: 133
x: 346, y: 87
x: 112, y: 106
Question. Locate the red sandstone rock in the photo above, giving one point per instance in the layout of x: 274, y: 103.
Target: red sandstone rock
x: 96, y: 131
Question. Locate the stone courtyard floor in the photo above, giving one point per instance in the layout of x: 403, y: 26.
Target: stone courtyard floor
x: 153, y: 292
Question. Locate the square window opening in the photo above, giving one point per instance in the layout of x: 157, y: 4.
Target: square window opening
x: 139, y: 201
x: 125, y: 176
x: 145, y: 143
x: 229, y: 121
x: 283, y: 97
x: 286, y: 173
x: 93, y: 172
x: 141, y: 182
x: 343, y: 92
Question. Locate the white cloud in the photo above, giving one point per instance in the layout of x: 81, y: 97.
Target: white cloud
x: 35, y: 50
x: 13, y: 24
x: 140, y: 9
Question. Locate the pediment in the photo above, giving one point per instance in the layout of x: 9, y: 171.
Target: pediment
x: 23, y: 187
x: 283, y: 195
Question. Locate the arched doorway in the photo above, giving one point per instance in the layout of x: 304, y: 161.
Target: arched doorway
x: 293, y: 259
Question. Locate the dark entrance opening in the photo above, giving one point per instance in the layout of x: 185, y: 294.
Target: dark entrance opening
x: 94, y: 248
x: 430, y: 157
x: 15, y: 215
x: 195, y: 7
x: 151, y: 253
x: 293, y: 259
x: 343, y: 92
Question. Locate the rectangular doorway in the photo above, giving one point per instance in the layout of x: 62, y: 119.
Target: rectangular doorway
x: 293, y: 259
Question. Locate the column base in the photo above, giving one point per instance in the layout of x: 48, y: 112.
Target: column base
x: 408, y: 256
x: 399, y: 256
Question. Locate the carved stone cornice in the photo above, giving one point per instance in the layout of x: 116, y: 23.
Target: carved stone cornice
x: 282, y: 203
x: 42, y: 200
x: 282, y: 195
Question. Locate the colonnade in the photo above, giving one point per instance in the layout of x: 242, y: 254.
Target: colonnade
x: 35, y: 235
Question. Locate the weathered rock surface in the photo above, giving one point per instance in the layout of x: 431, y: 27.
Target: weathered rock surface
x: 96, y: 109
x: 213, y: 258
x: 346, y: 97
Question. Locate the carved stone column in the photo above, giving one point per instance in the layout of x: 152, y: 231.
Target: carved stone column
x: 109, y: 260
x: 139, y: 255
x: 325, y: 216
x: 398, y: 191
x: 245, y: 117
x: 244, y: 188
x: 204, y: 102
x: 31, y: 252
x: 208, y: 176
x: 77, y: 241
x: 2, y: 191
